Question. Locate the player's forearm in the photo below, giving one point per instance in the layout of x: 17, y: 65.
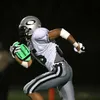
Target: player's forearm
x: 23, y: 63
x: 73, y: 42
x: 66, y: 35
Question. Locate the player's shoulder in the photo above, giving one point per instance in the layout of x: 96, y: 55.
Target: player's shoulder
x: 40, y: 32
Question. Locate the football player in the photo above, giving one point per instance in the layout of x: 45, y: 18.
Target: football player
x: 42, y: 46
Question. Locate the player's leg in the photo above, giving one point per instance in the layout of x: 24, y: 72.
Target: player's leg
x: 66, y: 92
x: 35, y: 96
x: 60, y: 75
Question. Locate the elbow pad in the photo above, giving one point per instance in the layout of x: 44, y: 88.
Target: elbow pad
x: 64, y: 34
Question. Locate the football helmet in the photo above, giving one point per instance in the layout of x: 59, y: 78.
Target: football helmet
x: 28, y: 25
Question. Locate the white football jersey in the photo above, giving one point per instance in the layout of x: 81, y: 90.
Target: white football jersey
x: 45, y: 49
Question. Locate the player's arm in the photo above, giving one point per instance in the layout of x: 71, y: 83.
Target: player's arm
x: 25, y: 64
x: 66, y: 35
x: 21, y: 54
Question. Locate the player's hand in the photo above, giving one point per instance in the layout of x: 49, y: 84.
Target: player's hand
x: 14, y: 49
x: 82, y: 48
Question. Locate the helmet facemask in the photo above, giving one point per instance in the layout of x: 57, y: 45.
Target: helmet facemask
x: 24, y: 33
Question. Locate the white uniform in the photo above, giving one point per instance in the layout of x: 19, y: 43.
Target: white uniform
x: 59, y: 73
x: 44, y: 47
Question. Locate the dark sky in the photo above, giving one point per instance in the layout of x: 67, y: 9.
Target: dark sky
x: 80, y: 17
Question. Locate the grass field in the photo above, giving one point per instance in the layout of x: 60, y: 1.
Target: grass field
x: 80, y: 94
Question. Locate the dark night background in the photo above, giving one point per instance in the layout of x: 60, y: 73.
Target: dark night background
x: 80, y: 17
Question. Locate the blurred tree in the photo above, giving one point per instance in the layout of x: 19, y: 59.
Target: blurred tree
x: 5, y: 61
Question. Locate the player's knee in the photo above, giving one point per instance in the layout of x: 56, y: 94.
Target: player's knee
x: 28, y: 87
x: 25, y: 90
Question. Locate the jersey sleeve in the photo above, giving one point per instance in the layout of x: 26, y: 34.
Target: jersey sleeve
x: 40, y: 34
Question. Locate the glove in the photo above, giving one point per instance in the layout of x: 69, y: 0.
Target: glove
x: 82, y: 48
x: 21, y: 51
x: 14, y: 48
